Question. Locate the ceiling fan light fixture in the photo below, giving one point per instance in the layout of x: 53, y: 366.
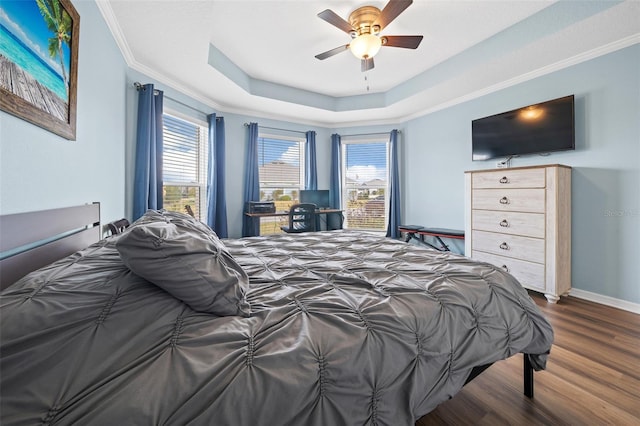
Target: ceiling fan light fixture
x: 364, y: 26
x: 365, y: 46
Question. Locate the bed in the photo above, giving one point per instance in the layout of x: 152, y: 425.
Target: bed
x: 337, y: 327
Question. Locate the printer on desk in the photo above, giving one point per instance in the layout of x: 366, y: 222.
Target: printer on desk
x: 260, y: 207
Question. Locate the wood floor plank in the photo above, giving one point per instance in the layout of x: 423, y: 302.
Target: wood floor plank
x: 592, y: 376
x: 577, y: 370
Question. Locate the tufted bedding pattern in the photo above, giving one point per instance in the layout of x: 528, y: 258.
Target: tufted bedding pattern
x: 345, y: 328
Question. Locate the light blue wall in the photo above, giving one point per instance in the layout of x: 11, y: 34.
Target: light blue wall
x: 606, y: 165
x: 235, y: 143
x: 40, y: 170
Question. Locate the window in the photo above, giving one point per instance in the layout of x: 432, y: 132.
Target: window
x: 365, y: 184
x: 281, y: 171
x: 184, y: 166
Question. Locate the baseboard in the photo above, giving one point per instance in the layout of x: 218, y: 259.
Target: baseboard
x: 606, y: 300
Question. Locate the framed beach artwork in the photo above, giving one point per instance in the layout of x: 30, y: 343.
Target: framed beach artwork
x: 39, y: 63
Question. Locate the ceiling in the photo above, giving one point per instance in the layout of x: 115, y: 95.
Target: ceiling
x: 257, y: 57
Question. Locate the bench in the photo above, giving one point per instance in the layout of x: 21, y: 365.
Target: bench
x: 418, y: 233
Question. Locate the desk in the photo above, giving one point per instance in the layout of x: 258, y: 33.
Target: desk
x: 333, y: 217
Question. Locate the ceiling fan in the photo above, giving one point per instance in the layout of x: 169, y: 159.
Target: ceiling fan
x: 364, y: 26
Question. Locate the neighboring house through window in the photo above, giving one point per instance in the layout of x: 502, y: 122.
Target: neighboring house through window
x: 281, y: 171
x: 184, y: 166
x: 365, y: 183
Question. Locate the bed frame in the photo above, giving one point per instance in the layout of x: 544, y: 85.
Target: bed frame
x: 32, y: 240
x: 35, y: 239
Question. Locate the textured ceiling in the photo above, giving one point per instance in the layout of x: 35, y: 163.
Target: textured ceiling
x: 257, y: 57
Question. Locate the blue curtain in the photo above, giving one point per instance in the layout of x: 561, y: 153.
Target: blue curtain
x: 311, y: 168
x: 335, y: 184
x: 251, y: 227
x: 216, y: 196
x: 394, y: 196
x: 147, y: 183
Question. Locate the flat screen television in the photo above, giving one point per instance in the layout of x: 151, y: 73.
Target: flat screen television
x: 534, y: 129
x: 319, y: 197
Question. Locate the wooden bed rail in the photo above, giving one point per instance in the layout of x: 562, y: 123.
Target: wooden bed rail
x: 31, y: 240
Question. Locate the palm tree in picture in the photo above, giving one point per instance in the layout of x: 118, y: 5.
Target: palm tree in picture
x: 59, y: 23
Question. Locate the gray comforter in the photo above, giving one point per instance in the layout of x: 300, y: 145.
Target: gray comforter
x: 345, y: 329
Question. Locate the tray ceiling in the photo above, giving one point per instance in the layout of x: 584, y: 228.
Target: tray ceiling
x: 257, y: 57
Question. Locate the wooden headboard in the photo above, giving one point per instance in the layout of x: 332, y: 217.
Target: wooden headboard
x: 29, y: 241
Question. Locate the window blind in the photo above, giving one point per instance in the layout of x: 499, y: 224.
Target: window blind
x: 365, y: 184
x: 184, y: 166
x: 281, y: 168
x: 281, y: 175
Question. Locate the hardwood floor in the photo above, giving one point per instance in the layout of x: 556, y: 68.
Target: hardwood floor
x: 592, y: 375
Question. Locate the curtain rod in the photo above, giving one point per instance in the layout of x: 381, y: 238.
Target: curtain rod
x: 139, y: 86
x: 296, y: 131
x: 368, y: 134
x: 277, y: 128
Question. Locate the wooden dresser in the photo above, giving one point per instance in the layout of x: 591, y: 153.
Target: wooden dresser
x: 520, y: 220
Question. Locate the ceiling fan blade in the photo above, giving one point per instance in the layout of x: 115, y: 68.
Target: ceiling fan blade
x: 366, y: 64
x: 391, y: 12
x: 332, y: 52
x: 331, y: 17
x: 408, y: 42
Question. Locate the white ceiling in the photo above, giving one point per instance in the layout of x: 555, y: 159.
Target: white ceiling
x: 257, y: 57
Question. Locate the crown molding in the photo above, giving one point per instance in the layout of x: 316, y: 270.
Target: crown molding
x: 566, y: 63
x: 112, y: 23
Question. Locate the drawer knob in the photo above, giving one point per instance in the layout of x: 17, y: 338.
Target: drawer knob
x: 504, y: 223
x: 504, y: 246
x: 505, y: 268
x: 504, y: 200
x: 504, y: 179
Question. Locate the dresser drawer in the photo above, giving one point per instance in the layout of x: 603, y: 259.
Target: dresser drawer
x: 527, y: 178
x: 529, y: 274
x: 514, y: 223
x: 521, y: 200
x: 523, y: 248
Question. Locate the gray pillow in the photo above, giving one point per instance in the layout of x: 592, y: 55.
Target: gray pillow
x: 184, y: 257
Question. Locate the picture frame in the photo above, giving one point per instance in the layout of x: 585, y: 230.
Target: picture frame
x: 39, y: 63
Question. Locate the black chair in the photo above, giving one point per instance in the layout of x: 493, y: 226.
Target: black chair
x: 118, y: 226
x: 302, y: 218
